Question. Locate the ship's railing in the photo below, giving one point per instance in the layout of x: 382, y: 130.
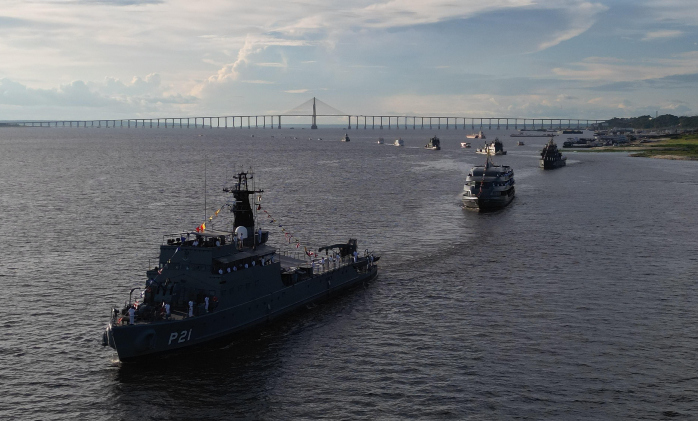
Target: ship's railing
x: 298, y: 255
x: 321, y: 266
x: 200, y: 240
x: 326, y: 264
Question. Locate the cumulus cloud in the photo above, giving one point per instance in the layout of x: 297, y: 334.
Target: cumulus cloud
x: 109, y: 97
x: 230, y: 71
x: 253, y: 45
x: 208, y: 54
x: 73, y: 94
x: 137, y: 86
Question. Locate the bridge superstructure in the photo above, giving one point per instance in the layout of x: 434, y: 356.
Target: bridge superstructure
x: 357, y: 122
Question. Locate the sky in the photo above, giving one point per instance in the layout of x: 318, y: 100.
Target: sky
x: 115, y: 59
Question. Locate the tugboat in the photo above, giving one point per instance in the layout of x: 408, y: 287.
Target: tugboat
x: 345, y: 138
x: 212, y: 284
x: 551, y: 158
x: 492, y: 148
x: 434, y: 144
x: 488, y: 187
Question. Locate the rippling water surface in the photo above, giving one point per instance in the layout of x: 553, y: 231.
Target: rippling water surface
x: 578, y: 301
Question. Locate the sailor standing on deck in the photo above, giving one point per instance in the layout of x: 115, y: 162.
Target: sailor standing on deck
x: 131, y: 315
x: 167, y: 311
x: 206, y: 304
x: 191, y: 309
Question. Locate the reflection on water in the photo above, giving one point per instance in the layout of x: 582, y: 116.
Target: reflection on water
x: 575, y: 299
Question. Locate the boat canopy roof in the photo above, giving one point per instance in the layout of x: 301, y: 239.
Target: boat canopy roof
x: 494, y: 171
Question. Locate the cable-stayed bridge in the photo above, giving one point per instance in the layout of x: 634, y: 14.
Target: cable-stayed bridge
x: 314, y: 108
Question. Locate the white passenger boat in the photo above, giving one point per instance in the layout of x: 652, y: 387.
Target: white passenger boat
x: 492, y: 148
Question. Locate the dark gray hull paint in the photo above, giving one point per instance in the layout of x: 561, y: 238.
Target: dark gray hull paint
x: 143, y: 341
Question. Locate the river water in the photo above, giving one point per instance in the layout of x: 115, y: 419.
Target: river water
x: 578, y: 301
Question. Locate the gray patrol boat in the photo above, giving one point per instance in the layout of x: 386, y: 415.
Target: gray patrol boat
x: 217, y: 283
x: 551, y: 158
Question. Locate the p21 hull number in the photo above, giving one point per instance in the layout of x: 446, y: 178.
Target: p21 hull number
x: 180, y: 337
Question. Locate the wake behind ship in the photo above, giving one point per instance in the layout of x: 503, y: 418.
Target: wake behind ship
x: 211, y: 284
x: 489, y: 187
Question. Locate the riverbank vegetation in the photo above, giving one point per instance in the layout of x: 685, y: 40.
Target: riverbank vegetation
x: 660, y: 122
x: 683, y: 147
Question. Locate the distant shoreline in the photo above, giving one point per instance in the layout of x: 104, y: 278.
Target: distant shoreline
x: 684, y: 148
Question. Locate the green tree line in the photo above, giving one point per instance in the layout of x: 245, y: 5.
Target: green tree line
x: 660, y: 122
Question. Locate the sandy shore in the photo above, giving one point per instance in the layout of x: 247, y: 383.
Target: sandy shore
x: 672, y: 157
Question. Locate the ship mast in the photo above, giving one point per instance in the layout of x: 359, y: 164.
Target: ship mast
x: 242, y: 209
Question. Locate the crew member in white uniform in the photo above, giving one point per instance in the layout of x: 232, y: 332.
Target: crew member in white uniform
x: 191, y: 309
x: 132, y: 315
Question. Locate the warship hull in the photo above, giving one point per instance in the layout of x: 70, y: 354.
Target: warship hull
x: 143, y: 341
x: 211, y: 284
x: 552, y: 164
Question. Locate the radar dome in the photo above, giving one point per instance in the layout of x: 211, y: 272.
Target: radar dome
x: 241, y: 232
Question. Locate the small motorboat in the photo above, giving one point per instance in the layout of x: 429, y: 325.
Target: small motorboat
x: 399, y: 142
x: 380, y: 141
x: 464, y: 145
